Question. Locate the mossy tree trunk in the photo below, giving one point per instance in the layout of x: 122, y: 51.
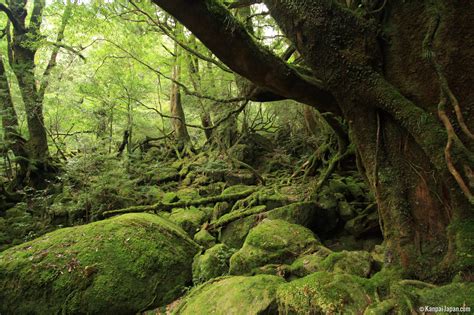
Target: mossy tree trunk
x: 11, y: 132
x: 383, y: 75
x: 23, y: 44
x: 176, y: 107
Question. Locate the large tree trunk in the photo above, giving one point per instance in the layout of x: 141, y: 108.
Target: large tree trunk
x: 388, y: 90
x: 395, y: 127
x: 11, y: 133
x: 24, y: 50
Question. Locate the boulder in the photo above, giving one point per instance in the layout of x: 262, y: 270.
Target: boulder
x: 212, y: 264
x: 324, y: 293
x: 272, y: 242
x: 204, y: 238
x: 189, y: 219
x: 233, y: 295
x: 120, y: 265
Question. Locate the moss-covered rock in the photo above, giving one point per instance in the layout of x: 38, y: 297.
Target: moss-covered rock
x: 454, y: 294
x: 188, y: 219
x: 234, y: 233
x: 308, y: 214
x: 233, y: 295
x: 323, y: 293
x: 212, y: 264
x: 357, y: 263
x: 365, y: 223
x: 204, y: 238
x: 220, y: 209
x: 272, y: 242
x: 120, y: 265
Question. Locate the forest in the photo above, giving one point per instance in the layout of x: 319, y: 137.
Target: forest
x: 236, y: 157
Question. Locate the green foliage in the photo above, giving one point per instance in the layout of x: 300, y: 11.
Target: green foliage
x: 96, y: 183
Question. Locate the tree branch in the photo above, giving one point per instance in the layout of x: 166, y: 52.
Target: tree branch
x: 16, y: 24
x: 228, y: 39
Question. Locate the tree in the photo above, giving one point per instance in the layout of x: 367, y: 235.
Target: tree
x: 390, y: 73
x: 22, y: 49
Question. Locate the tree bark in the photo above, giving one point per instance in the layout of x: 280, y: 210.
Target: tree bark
x: 176, y: 107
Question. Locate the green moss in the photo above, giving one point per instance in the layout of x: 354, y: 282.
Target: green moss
x: 323, y: 293
x: 212, y: 264
x: 455, y: 294
x: 204, y: 238
x: 188, y: 219
x: 120, y: 265
x: 272, y: 241
x: 463, y: 232
x: 237, y: 189
x: 233, y: 295
x: 357, y: 263
x: 234, y: 233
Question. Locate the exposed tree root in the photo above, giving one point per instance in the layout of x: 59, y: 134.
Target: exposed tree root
x: 161, y: 206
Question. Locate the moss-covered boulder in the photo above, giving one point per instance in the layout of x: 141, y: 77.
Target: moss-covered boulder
x: 120, y: 265
x: 204, y: 238
x: 359, y: 263
x: 189, y: 219
x: 212, y: 264
x: 233, y: 295
x: 272, y: 242
x: 234, y: 233
x: 324, y: 293
x: 454, y: 294
x: 308, y: 214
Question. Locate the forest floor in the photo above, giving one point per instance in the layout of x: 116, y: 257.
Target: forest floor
x: 250, y: 230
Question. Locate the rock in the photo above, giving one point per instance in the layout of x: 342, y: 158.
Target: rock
x: 324, y: 293
x: 272, y: 242
x: 234, y: 233
x: 204, y: 238
x: 188, y: 219
x: 187, y: 194
x: 357, y: 263
x: 120, y: 265
x: 233, y: 295
x: 307, y: 264
x: 308, y: 214
x: 346, y: 212
x: 220, y: 209
x: 212, y: 264
x: 453, y: 294
x: 365, y: 223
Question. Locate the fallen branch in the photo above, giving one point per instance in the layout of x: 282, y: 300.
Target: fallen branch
x: 162, y: 206
x: 235, y: 215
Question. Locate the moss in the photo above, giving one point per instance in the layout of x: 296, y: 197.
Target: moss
x: 455, y: 294
x: 204, y: 238
x: 188, y: 219
x: 234, y: 233
x: 272, y: 241
x: 212, y: 264
x: 237, y: 189
x: 463, y: 232
x: 323, y: 293
x: 233, y: 295
x: 302, y: 213
x: 120, y: 265
x: 357, y: 263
